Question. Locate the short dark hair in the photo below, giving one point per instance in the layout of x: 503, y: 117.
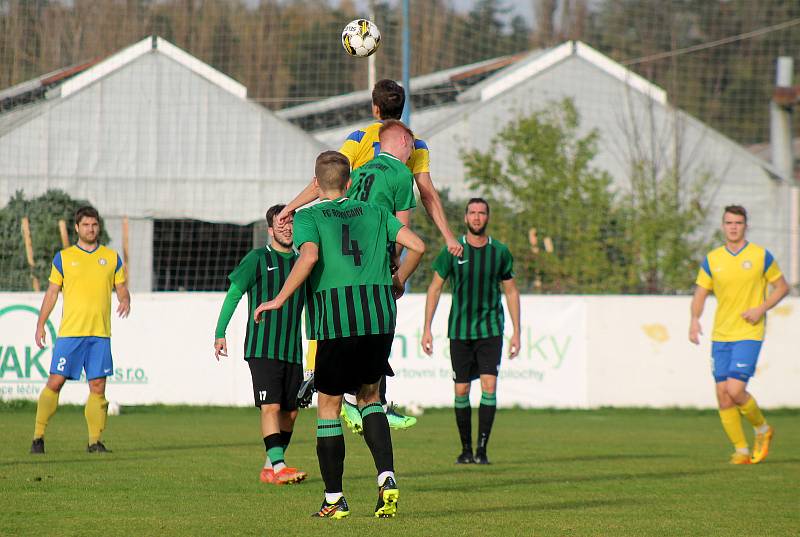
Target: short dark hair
x: 476, y: 200
x: 87, y: 211
x: 735, y: 209
x: 389, y: 97
x: 394, y: 124
x: 332, y: 170
x: 272, y: 212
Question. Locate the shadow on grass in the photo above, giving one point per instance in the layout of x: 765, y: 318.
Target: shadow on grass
x: 120, y: 454
x: 532, y: 506
x: 528, y: 482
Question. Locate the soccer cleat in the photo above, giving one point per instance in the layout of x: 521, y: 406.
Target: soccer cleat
x: 306, y: 391
x: 37, y: 446
x: 267, y: 475
x: 287, y: 475
x: 481, y: 458
x: 336, y: 510
x: 465, y: 457
x: 740, y: 458
x: 352, y: 418
x: 397, y: 420
x: 387, y: 499
x: 761, y: 447
x: 97, y: 447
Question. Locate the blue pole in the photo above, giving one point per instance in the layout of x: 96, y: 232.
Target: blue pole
x: 406, y: 117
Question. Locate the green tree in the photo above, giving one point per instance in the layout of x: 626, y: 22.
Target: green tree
x: 44, y: 212
x: 538, y: 173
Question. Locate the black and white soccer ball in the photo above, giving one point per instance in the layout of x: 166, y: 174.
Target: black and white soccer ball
x: 361, y: 38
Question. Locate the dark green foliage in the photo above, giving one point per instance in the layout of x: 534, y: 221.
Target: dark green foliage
x: 44, y: 212
x: 538, y: 171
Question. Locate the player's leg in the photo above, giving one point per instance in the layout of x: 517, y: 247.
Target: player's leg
x: 374, y: 352
x: 45, y: 408
x: 292, y: 378
x: 744, y: 358
x: 486, y: 413
x: 330, y: 377
x: 462, y: 362
x: 66, y: 363
x: 728, y: 413
x: 488, y: 353
x: 396, y: 419
x: 267, y: 378
x: 98, y: 364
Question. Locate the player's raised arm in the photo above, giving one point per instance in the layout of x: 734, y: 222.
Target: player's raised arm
x: 306, y: 196
x: 431, y: 302
x: 433, y: 205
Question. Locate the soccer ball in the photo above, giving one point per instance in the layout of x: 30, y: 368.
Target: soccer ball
x: 361, y: 38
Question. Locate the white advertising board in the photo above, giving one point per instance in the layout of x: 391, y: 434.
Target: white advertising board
x: 575, y: 352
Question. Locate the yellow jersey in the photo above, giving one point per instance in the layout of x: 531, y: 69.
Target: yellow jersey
x: 86, y: 279
x: 363, y: 145
x: 739, y: 281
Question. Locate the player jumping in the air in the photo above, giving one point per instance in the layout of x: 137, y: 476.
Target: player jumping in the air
x: 360, y: 147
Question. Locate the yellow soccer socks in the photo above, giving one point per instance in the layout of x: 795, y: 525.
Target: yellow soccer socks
x: 47, y: 406
x: 732, y: 423
x: 96, y: 412
x: 753, y: 414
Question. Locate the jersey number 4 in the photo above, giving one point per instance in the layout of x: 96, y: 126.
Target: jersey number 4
x: 350, y: 247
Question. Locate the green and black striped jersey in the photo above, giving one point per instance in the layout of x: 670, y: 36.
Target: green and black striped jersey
x: 476, y: 311
x: 349, y: 289
x: 262, y: 273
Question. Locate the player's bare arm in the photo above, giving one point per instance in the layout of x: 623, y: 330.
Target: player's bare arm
x: 220, y: 347
x: 698, y: 303
x: 124, y: 298
x: 431, y: 302
x: 309, y: 254
x: 433, y: 205
x: 306, y: 196
x: 512, y: 299
x: 780, y: 288
x: 48, y: 303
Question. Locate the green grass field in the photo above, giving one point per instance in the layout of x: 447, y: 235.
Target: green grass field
x: 194, y: 471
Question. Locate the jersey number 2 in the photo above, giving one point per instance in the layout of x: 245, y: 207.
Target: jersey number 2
x: 350, y: 247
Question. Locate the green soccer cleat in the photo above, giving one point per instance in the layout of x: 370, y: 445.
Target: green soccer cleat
x: 397, y: 420
x: 336, y: 510
x: 352, y: 418
x: 387, y: 499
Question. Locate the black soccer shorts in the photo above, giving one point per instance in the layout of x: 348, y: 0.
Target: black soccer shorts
x: 345, y: 364
x: 275, y: 382
x: 472, y: 358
